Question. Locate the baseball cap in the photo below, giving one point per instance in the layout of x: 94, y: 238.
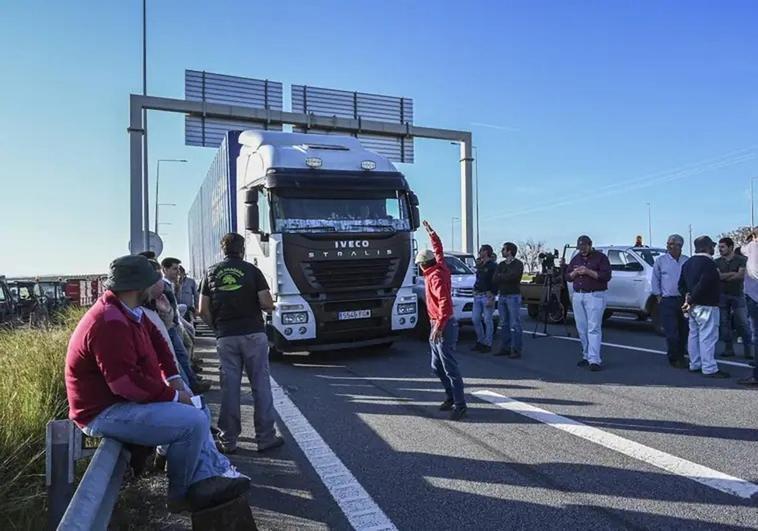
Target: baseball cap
x: 584, y: 239
x: 424, y: 255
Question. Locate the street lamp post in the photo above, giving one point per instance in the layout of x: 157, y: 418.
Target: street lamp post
x: 145, y: 176
x: 157, y: 188
x: 476, y: 181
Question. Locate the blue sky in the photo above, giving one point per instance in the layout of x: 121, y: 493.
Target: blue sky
x: 582, y: 111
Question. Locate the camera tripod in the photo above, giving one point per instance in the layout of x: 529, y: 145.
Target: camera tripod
x: 549, y: 300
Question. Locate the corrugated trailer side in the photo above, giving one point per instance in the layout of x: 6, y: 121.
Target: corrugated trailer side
x: 214, y: 212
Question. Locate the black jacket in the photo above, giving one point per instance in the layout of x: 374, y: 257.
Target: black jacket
x: 484, y: 274
x: 507, y: 277
x: 700, y: 280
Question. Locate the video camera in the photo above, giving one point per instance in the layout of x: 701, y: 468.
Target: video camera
x: 547, y: 261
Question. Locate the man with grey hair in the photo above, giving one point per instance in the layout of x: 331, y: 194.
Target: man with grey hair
x: 665, y: 286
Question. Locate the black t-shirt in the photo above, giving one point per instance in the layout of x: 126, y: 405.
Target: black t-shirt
x: 233, y: 287
x: 731, y: 287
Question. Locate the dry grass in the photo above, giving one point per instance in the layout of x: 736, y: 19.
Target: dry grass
x: 32, y: 392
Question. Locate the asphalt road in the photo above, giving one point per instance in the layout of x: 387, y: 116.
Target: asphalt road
x: 560, y: 447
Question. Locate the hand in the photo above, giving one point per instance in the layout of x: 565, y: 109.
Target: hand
x: 659, y: 298
x: 185, y: 398
x: 428, y: 227
x: 177, y: 384
x: 436, y: 335
x: 581, y: 270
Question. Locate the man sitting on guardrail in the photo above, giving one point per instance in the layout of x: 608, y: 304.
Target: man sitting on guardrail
x: 122, y: 382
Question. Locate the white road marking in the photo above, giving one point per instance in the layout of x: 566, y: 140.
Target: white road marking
x: 670, y: 463
x: 356, y: 504
x: 638, y: 349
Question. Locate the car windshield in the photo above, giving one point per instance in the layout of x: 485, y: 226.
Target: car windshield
x: 457, y: 266
x: 383, y: 212
x: 649, y: 254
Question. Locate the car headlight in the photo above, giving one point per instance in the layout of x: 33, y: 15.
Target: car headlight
x: 293, y: 318
x: 407, y: 308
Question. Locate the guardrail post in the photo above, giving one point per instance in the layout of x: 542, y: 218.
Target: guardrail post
x: 59, y: 469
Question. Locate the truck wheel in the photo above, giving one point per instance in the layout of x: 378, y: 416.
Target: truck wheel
x: 533, y: 310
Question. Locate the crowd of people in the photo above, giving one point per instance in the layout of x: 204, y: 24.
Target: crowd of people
x: 700, y: 300
x: 131, y: 373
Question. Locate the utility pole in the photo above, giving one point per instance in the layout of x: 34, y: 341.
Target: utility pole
x: 690, y: 239
x: 476, y: 180
x: 157, y: 185
x: 145, y: 176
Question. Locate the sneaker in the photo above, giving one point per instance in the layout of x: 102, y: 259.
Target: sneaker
x: 458, y: 413
x: 276, y: 442
x: 515, y: 353
x: 226, y: 448
x: 583, y: 363
x: 159, y: 462
x: 718, y: 374
x: 594, y: 367
x: 233, y: 473
x: 750, y: 381
x: 447, y: 405
x: 214, y: 491
x: 694, y: 370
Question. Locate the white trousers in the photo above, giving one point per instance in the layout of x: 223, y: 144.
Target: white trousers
x: 704, y: 334
x: 588, y: 315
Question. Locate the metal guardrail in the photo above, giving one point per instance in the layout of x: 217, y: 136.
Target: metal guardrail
x: 91, y: 505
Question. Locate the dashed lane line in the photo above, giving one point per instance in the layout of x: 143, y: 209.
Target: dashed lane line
x: 670, y: 463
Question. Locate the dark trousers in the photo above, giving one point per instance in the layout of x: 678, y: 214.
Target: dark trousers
x: 674, y: 326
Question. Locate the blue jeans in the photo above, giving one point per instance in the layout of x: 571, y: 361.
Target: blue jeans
x: 181, y: 356
x: 752, y: 311
x: 445, y: 366
x: 484, y: 325
x: 509, y: 313
x: 675, y: 327
x: 734, y: 306
x: 186, y: 429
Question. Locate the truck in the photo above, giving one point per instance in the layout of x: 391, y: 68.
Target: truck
x: 329, y: 224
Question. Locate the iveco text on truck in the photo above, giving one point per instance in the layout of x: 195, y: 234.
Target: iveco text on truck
x: 329, y: 223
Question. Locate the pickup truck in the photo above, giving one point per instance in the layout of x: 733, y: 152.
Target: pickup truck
x: 630, y: 288
x: 8, y: 314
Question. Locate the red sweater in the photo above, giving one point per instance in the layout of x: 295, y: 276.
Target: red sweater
x: 113, y: 358
x: 439, y: 296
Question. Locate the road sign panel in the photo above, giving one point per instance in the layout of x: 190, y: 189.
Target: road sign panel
x: 231, y: 90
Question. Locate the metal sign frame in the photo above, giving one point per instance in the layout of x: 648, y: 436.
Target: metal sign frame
x: 139, y: 103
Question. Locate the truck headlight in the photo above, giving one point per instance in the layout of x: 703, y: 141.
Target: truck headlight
x: 293, y: 318
x: 407, y: 308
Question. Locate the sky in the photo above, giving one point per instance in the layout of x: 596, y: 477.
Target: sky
x: 582, y: 112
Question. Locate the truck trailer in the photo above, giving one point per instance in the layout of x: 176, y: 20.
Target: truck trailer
x: 330, y: 225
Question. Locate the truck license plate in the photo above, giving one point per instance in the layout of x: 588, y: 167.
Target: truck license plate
x: 354, y: 314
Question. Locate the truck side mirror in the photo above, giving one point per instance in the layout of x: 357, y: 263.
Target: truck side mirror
x: 415, y: 215
x: 252, y: 223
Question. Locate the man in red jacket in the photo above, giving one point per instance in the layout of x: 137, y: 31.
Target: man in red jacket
x: 444, y: 334
x: 122, y: 382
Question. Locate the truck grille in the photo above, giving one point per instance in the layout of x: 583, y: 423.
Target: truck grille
x: 463, y: 292
x: 350, y: 274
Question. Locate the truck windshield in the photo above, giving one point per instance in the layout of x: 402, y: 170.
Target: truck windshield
x: 385, y: 213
